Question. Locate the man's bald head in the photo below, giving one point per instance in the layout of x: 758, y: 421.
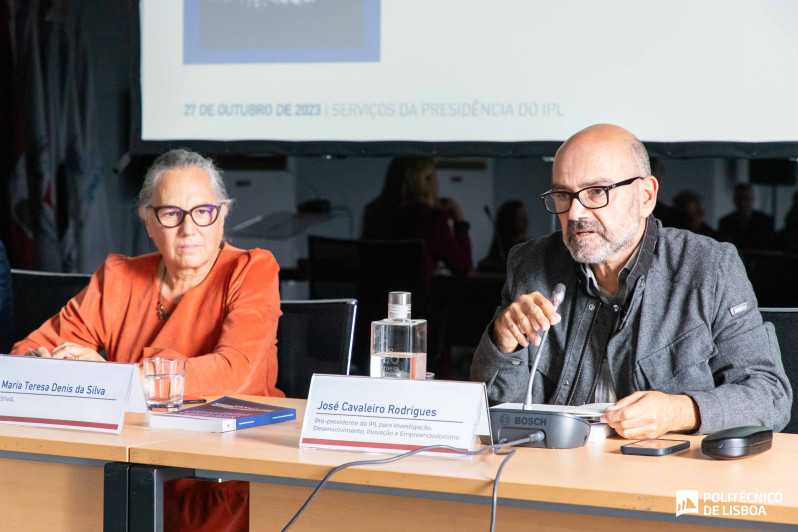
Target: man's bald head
x: 609, y: 136
x: 609, y: 163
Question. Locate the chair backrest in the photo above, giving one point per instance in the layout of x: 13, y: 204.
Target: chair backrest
x: 6, y: 303
x: 347, y: 268
x: 466, y: 306
x: 770, y: 273
x: 786, y: 322
x: 38, y: 296
x: 366, y: 270
x: 313, y: 336
x: 333, y: 267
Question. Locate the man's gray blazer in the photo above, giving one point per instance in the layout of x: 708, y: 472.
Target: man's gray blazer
x: 691, y: 326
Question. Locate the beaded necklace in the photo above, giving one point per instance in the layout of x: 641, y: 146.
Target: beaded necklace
x: 162, y: 314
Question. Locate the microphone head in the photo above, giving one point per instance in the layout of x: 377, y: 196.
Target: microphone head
x: 559, y: 294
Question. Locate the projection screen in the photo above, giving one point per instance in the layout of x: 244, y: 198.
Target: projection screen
x: 498, y: 73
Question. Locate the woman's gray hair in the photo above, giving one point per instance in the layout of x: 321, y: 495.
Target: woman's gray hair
x: 180, y: 158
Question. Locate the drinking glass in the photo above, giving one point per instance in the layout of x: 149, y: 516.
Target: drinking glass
x: 163, y: 382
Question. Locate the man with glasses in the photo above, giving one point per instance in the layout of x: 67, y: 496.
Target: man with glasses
x: 660, y: 322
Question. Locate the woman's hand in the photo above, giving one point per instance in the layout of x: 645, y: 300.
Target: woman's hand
x: 76, y: 352
x: 40, y: 351
x: 452, y: 208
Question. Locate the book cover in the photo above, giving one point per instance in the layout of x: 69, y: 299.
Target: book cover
x: 222, y: 415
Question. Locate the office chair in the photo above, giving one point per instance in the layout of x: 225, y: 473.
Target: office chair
x: 6, y: 303
x: 38, y: 296
x: 313, y: 337
x: 465, y: 306
x: 786, y: 322
x: 770, y: 276
x: 340, y: 267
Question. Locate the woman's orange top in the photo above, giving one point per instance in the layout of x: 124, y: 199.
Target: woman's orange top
x: 226, y: 327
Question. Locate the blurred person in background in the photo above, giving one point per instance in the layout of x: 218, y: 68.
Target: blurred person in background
x: 512, y: 224
x: 746, y: 228
x: 692, y: 205
x: 409, y: 208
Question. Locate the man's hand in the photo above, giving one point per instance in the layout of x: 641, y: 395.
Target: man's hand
x: 519, y: 323
x: 651, y: 414
x: 76, y: 352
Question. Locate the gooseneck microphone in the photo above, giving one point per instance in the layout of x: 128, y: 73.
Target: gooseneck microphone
x: 512, y: 421
x: 556, y: 299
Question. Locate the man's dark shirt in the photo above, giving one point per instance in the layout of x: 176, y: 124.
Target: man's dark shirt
x: 752, y: 232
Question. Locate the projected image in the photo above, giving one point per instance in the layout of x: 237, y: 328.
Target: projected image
x: 281, y: 31
x: 466, y: 70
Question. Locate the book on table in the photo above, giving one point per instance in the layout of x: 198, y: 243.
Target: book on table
x: 222, y: 415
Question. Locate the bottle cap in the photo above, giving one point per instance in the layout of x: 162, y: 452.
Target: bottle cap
x: 399, y: 305
x: 400, y: 298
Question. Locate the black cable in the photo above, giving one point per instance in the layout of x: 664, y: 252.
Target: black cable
x: 533, y: 437
x: 499, y: 473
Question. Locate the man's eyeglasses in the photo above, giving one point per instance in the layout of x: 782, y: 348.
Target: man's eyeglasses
x: 595, y: 197
x: 171, y: 216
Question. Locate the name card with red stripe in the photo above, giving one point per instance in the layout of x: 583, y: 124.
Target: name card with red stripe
x: 73, y: 394
x: 393, y: 415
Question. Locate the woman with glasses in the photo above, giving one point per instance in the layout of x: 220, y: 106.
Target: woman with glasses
x: 196, y: 297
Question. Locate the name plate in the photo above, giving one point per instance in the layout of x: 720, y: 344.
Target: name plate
x: 74, y: 394
x: 393, y: 415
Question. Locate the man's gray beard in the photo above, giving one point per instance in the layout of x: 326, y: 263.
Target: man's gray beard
x: 611, y: 244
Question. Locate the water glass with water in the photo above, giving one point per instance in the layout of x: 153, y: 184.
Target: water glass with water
x: 163, y: 382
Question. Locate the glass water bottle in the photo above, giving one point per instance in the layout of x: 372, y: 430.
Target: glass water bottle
x: 399, y: 344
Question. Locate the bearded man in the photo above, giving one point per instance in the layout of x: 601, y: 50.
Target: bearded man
x: 660, y: 322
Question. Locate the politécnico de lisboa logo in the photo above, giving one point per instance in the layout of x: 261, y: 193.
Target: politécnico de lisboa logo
x: 686, y: 502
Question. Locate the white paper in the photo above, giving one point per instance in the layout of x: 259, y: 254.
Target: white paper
x: 136, y: 401
x: 393, y: 415
x: 74, y: 394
